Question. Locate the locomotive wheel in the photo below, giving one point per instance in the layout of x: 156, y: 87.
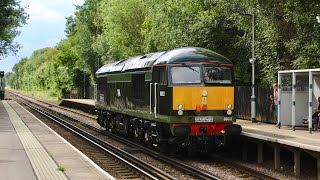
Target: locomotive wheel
x: 155, y: 136
x: 106, y: 123
x: 162, y: 146
x: 137, y: 133
x: 148, y: 138
x: 113, y: 127
x: 100, y: 119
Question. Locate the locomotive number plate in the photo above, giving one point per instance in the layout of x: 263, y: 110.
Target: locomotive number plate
x: 227, y: 118
x: 203, y: 119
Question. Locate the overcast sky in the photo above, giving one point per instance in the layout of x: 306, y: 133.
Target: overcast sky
x: 45, y: 27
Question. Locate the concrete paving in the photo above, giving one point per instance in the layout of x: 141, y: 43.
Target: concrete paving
x: 300, y: 138
x: 14, y: 162
x: 42, y: 150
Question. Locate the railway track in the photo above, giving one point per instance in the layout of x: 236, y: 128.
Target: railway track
x: 129, y: 168
x: 195, y: 172
x: 144, y: 168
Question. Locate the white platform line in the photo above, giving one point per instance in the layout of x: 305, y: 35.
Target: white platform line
x: 107, y: 175
x: 42, y: 163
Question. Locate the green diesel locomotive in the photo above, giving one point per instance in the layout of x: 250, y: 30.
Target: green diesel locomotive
x: 183, y: 98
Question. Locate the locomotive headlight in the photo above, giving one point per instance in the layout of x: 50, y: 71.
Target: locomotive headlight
x: 180, y: 106
x: 204, y: 93
x: 229, y: 112
x: 180, y: 112
x: 229, y: 106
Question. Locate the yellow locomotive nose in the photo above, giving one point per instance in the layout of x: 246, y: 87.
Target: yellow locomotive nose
x: 198, y: 109
x: 203, y: 98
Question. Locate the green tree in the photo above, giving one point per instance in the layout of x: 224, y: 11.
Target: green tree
x: 122, y: 27
x: 12, y: 16
x: 83, y: 31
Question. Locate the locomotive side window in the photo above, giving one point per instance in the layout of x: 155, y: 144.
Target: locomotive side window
x: 163, y: 76
x: 138, y: 82
x: 220, y: 75
x: 185, y: 75
x: 102, y: 84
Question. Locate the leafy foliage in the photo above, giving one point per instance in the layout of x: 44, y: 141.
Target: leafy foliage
x: 287, y: 36
x: 12, y: 16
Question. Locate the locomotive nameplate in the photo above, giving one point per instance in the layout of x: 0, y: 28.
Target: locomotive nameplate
x: 203, y: 119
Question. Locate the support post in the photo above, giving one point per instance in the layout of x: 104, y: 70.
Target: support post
x: 245, y: 149
x: 260, y: 152
x: 296, y: 152
x: 276, y: 156
x: 318, y: 167
x: 279, y: 100
x: 310, y: 102
x: 316, y: 155
x: 297, y: 162
x: 293, y: 113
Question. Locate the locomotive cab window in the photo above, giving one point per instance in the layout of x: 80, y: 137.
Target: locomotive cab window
x: 186, y: 74
x: 217, y: 75
x: 160, y: 75
x: 102, y: 84
x: 163, y: 76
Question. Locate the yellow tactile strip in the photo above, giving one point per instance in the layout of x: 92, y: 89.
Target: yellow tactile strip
x: 42, y: 163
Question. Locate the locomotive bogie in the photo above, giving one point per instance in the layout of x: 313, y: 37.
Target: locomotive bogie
x: 205, y: 137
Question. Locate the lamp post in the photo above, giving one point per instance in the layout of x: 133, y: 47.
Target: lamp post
x: 252, y: 60
x: 84, y: 82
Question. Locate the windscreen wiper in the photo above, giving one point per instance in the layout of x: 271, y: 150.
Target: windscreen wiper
x: 183, y: 64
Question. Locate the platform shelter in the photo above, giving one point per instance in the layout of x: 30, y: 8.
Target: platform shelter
x: 298, y: 91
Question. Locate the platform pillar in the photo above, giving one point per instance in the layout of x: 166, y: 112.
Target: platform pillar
x: 259, y: 152
x: 297, y: 163
x: 316, y: 155
x: 296, y: 153
x: 245, y: 149
x: 276, y: 156
x: 318, y: 168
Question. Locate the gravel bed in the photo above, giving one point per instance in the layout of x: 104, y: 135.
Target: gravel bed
x: 210, y: 164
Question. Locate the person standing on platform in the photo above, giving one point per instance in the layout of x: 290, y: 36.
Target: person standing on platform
x: 275, y: 101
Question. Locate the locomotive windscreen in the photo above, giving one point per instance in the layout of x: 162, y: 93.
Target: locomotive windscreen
x: 186, y: 75
x: 196, y: 74
x: 220, y: 75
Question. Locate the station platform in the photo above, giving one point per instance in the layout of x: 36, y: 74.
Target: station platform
x: 261, y: 134
x: 296, y: 141
x: 300, y: 138
x: 31, y: 150
x: 85, y: 105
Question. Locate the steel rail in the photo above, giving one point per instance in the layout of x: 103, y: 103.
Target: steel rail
x: 51, y: 104
x: 199, y: 173
x: 141, y: 166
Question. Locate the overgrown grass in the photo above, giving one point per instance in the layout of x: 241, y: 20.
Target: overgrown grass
x: 60, y: 168
x: 38, y: 94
